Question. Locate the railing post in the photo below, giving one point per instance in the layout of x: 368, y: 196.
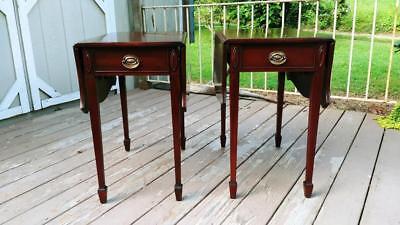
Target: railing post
x: 283, y: 19
x: 155, y: 14
x: 371, y: 50
x: 391, y: 51
x: 335, y: 19
x: 316, y: 18
x: 351, y: 49
x: 199, y: 46
x: 266, y: 35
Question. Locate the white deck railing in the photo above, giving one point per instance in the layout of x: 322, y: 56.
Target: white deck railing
x: 184, y: 9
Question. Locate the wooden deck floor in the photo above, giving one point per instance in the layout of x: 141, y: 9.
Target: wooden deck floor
x: 48, y: 175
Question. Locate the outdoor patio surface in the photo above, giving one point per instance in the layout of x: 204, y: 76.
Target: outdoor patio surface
x: 48, y: 173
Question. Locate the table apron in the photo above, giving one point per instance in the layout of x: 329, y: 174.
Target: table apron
x: 131, y: 73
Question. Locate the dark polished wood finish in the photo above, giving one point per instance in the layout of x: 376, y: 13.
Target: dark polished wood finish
x: 279, y: 109
x: 124, y: 109
x: 305, y: 61
x: 123, y: 54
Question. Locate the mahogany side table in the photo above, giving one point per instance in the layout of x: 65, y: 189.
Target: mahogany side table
x: 101, y: 59
x: 307, y: 62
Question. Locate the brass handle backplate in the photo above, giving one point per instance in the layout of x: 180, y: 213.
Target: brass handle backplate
x: 130, y: 62
x: 277, y: 58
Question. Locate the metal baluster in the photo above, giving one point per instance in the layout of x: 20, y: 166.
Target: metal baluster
x: 266, y: 35
x: 224, y: 18
x: 371, y: 50
x: 283, y: 19
x: 335, y: 19
x: 154, y: 20
x: 212, y: 43
x: 144, y: 20
x: 176, y: 20
x: 316, y: 19
x: 238, y: 20
x: 299, y: 20
x: 391, y: 52
x: 189, y: 77
x: 351, y: 49
x: 200, y: 63
x: 187, y: 19
x: 251, y: 35
x: 165, y: 19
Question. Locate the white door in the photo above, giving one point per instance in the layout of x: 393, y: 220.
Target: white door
x: 49, y: 29
x: 13, y: 94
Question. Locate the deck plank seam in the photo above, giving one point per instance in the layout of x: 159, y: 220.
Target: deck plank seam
x: 114, y: 149
x: 274, y: 164
x: 198, y: 150
x: 168, y: 151
x: 371, y: 177
x: 225, y: 152
x: 340, y: 167
x: 301, y: 173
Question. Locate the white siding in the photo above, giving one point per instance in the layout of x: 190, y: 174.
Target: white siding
x: 7, y: 71
x: 55, y: 25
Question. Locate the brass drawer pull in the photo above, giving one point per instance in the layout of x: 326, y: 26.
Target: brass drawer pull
x: 130, y: 62
x: 277, y: 58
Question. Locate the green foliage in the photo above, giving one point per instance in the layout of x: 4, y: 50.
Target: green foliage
x: 275, y: 10
x: 392, y: 121
x: 365, y: 12
x: 386, y: 10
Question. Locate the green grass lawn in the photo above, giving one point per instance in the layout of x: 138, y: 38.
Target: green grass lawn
x: 358, y: 80
x: 365, y: 13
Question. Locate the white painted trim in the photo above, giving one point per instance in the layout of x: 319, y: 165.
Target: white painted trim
x: 35, y: 82
x: 61, y: 99
x: 109, y: 12
x: 9, y: 98
x: 11, y: 112
x: 46, y: 88
x: 27, y: 4
x: 24, y: 8
x: 19, y: 87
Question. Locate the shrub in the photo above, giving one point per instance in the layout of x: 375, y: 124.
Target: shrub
x: 291, y: 14
x: 392, y: 121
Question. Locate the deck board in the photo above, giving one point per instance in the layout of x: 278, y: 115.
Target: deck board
x: 382, y: 205
x: 295, y: 209
x: 48, y: 174
x: 352, y: 181
x: 267, y: 185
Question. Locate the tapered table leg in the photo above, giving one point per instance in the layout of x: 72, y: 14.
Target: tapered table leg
x: 97, y: 137
x: 182, y: 122
x: 281, y: 93
x: 313, y: 117
x: 223, y: 125
x: 223, y: 110
x: 234, y: 112
x: 183, y: 96
x: 176, y: 107
x: 124, y: 107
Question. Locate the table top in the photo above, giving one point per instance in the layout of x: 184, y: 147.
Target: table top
x: 232, y: 38
x: 124, y: 39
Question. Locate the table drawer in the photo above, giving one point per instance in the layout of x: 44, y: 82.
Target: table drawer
x: 285, y: 57
x: 131, y: 59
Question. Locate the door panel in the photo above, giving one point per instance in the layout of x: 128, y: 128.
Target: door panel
x: 49, y: 29
x: 13, y: 93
